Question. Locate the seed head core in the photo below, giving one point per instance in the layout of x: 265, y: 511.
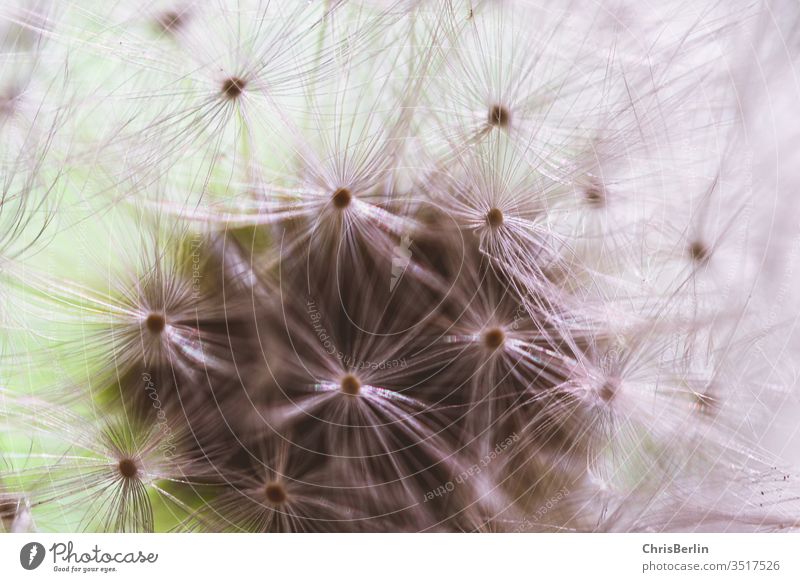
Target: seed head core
x: 706, y: 403
x: 494, y: 338
x: 155, y: 323
x: 275, y: 492
x: 350, y: 385
x: 128, y: 469
x: 170, y: 20
x: 698, y: 252
x: 341, y: 198
x: 498, y: 116
x: 608, y: 391
x: 233, y: 87
x: 594, y: 196
x: 8, y: 102
x: 495, y: 218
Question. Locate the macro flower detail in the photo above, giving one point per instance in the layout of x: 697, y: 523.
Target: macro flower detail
x: 398, y: 266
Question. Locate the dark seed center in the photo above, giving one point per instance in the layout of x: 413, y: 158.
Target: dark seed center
x: 275, y: 492
x: 342, y: 198
x: 494, y: 338
x: 608, y: 391
x: 8, y: 103
x: 155, y: 323
x: 128, y: 468
x: 350, y: 385
x: 495, y: 218
x: 233, y: 87
x: 698, y: 251
x: 170, y: 20
x: 705, y: 402
x: 498, y: 116
x: 594, y: 196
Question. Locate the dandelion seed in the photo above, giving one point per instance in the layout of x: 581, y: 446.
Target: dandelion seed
x: 350, y: 385
x: 275, y: 493
x: 392, y: 265
x: 499, y: 116
x: 128, y: 468
x: 170, y: 21
x: 698, y: 252
x: 281, y: 493
x: 341, y: 198
x: 495, y: 218
x: 594, y: 196
x: 494, y: 338
x: 233, y: 87
x: 155, y: 323
x: 706, y: 403
x: 107, y: 469
x: 608, y: 390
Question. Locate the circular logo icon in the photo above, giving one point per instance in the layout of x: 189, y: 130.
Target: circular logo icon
x: 31, y: 555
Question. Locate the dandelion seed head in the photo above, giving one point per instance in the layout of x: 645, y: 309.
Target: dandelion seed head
x: 8, y: 101
x: 233, y: 87
x: 155, y: 323
x: 341, y: 198
x: 499, y: 116
x: 170, y: 20
x: 275, y: 493
x: 699, y: 252
x: 494, y: 338
x: 608, y: 390
x: 594, y: 196
x: 128, y: 468
x: 706, y: 404
x: 350, y: 385
x: 346, y: 290
x: 495, y: 218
